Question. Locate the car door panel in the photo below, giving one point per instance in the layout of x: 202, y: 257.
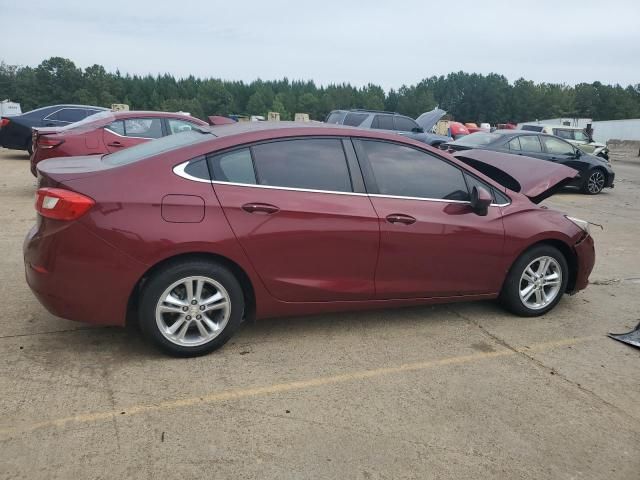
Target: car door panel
x: 429, y: 247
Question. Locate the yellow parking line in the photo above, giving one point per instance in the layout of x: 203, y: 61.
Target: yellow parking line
x: 283, y: 387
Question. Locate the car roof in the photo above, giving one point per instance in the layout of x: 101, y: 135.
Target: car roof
x: 547, y: 125
x: 364, y: 110
x: 149, y: 113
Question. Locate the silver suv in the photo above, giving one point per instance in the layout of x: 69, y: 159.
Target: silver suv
x: 419, y: 129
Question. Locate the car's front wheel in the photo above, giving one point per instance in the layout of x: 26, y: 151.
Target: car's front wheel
x: 191, y: 308
x: 595, y: 182
x: 536, y: 281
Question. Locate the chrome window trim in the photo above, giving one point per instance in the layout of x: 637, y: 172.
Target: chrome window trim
x: 179, y: 170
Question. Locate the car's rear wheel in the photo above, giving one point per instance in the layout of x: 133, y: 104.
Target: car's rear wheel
x: 595, y: 182
x: 536, y: 281
x: 191, y: 308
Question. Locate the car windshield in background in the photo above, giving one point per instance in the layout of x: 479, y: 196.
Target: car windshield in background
x: 90, y: 119
x: 531, y: 128
x: 477, y: 139
x: 335, y: 117
x: 156, y: 147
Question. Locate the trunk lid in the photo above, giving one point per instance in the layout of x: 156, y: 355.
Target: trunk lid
x: 428, y: 119
x: 59, y: 169
x: 535, y: 178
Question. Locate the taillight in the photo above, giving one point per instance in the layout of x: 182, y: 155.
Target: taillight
x: 45, y: 141
x: 61, y: 204
x: 4, y: 122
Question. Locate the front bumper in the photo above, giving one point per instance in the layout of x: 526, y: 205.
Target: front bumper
x: 585, y: 260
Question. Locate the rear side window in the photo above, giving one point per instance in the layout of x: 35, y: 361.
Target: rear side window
x: 354, y: 119
x: 406, y: 172
x: 315, y: 164
x: 177, y: 126
x: 405, y: 124
x: 235, y: 167
x: 383, y: 122
x: 143, y: 127
x: 515, y: 144
x: 71, y: 115
x: 530, y: 143
x: 198, y: 168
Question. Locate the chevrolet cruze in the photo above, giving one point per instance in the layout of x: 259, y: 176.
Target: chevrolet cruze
x: 191, y: 233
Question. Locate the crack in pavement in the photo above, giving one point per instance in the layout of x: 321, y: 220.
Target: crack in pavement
x: 79, y: 329
x: 502, y: 342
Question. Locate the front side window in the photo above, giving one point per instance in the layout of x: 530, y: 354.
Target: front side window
x: 235, y: 167
x: 382, y: 122
x: 116, y: 127
x: 406, y: 172
x: 530, y: 143
x: 557, y: 146
x: 405, y: 124
x: 177, y: 126
x: 315, y: 164
x: 335, y: 117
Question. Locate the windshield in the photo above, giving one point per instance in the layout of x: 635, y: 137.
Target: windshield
x: 477, y: 139
x: 156, y: 147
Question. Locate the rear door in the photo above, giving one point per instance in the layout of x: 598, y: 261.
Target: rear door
x: 431, y: 242
x: 299, y: 210
x: 131, y: 131
x: 531, y: 146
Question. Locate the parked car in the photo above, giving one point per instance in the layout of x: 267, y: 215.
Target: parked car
x: 191, y: 233
x: 595, y: 172
x: 451, y: 129
x: 107, y: 132
x: 15, y: 131
x: 419, y: 129
x: 575, y: 135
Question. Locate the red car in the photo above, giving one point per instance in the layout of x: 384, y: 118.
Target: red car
x: 107, y: 132
x: 191, y: 233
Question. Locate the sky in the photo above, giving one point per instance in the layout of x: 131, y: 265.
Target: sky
x: 386, y: 43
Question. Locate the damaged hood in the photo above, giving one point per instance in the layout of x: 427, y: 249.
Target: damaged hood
x: 537, y: 179
x: 428, y: 119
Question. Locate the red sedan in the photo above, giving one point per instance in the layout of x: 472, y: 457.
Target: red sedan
x: 107, y: 132
x: 191, y: 233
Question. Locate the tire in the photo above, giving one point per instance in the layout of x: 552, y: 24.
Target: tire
x: 189, y: 328
x: 595, y: 181
x: 30, y: 147
x: 551, y: 291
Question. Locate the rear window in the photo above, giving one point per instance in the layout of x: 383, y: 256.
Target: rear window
x: 477, y: 139
x: 335, y: 117
x: 531, y: 128
x: 156, y: 147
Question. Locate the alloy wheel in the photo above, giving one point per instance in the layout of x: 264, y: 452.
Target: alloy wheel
x: 595, y: 182
x: 540, y: 282
x: 193, y: 311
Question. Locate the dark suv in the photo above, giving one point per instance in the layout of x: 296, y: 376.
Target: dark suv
x: 392, y: 122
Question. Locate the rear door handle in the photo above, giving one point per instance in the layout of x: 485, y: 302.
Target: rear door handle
x: 260, y: 208
x: 115, y: 144
x: 400, y: 218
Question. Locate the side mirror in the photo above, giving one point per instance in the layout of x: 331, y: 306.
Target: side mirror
x: 417, y: 130
x: 480, y: 200
x: 578, y: 153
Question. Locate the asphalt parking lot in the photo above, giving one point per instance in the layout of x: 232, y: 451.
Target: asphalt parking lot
x: 451, y: 391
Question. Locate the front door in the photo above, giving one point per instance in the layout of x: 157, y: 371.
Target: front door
x: 308, y: 234
x: 432, y: 244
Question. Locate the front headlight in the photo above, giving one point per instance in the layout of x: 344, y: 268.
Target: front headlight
x: 581, y: 224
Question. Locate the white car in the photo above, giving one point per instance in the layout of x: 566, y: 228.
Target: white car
x: 575, y: 135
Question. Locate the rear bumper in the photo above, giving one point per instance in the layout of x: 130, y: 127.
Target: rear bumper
x: 585, y: 260
x: 61, y: 268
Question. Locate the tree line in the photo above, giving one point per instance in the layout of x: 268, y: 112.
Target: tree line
x: 467, y: 97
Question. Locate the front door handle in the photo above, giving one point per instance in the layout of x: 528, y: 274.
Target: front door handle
x: 400, y: 218
x: 115, y: 144
x: 260, y: 208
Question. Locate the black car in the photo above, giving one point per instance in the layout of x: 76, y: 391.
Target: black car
x: 595, y: 172
x: 15, y: 132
